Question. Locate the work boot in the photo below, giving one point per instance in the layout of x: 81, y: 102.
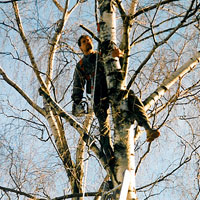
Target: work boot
x: 152, y: 134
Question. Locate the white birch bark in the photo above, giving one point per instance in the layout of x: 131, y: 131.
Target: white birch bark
x: 167, y: 83
x: 52, y: 118
x: 80, y: 153
x: 55, y: 39
x: 21, y: 92
x: 133, y: 7
x: 53, y: 44
x: 127, y: 24
x: 27, y: 46
x: 128, y: 162
x: 123, y: 136
x: 58, y: 5
x: 124, y: 151
x: 88, y: 140
x: 108, y: 37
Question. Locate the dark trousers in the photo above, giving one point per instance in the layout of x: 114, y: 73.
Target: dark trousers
x: 137, y: 108
x: 101, y: 112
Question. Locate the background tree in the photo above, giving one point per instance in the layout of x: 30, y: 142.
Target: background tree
x: 46, y: 153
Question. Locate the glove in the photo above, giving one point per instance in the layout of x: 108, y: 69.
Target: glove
x: 78, y: 110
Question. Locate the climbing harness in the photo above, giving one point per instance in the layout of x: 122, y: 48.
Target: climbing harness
x: 93, y: 82
x: 92, y: 78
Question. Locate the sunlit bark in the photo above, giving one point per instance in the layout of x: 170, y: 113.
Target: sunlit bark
x: 123, y: 133
x: 140, y: 23
x: 167, y: 83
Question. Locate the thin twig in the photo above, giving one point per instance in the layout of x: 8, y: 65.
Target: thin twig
x: 8, y: 1
x: 91, y: 33
x: 143, y: 157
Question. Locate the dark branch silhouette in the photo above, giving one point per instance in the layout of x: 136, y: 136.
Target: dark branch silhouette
x: 8, y: 1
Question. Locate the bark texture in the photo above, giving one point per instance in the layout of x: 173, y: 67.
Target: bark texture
x: 123, y: 135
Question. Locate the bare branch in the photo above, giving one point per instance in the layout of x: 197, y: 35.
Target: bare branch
x: 89, y: 141
x: 55, y: 40
x: 81, y: 149
x: 143, y: 157
x: 19, y: 193
x: 159, y: 44
x: 167, y: 83
x: 9, y: 1
x: 188, y: 159
x: 143, y: 10
x: 58, y: 5
x: 91, y: 33
x: 69, y: 196
x: 27, y: 45
x: 21, y: 92
x: 133, y: 7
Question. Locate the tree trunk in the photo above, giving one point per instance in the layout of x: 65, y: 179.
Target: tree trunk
x: 123, y: 132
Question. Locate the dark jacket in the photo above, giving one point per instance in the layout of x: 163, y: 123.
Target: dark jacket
x: 84, y: 74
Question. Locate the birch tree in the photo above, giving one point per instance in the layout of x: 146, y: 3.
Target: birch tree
x: 49, y: 154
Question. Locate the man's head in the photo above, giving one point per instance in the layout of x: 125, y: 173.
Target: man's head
x: 85, y: 44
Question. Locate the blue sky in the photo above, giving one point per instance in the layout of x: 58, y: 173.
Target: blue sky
x: 177, y: 139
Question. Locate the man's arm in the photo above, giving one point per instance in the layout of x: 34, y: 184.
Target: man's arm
x: 77, y: 93
x: 78, y: 85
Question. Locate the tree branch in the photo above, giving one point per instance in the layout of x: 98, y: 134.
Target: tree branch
x: 159, y: 44
x: 18, y: 192
x: 21, y: 92
x: 91, y: 33
x: 55, y: 40
x: 143, y: 157
x: 9, y: 1
x: 27, y: 45
x: 172, y: 172
x: 167, y: 83
x: 143, y: 10
x: 88, y: 140
x: 58, y: 5
x: 53, y: 44
x: 69, y: 196
x: 81, y: 150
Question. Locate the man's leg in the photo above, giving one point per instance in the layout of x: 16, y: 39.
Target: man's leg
x: 137, y: 108
x: 105, y: 136
x: 101, y: 112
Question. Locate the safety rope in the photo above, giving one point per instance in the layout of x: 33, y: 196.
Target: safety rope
x: 95, y: 70
x: 93, y: 86
x: 93, y: 81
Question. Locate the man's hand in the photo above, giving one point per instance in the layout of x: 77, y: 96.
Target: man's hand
x: 78, y: 110
x: 117, y: 53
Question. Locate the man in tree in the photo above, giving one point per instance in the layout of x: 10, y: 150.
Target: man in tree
x: 87, y: 70
x: 92, y: 72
